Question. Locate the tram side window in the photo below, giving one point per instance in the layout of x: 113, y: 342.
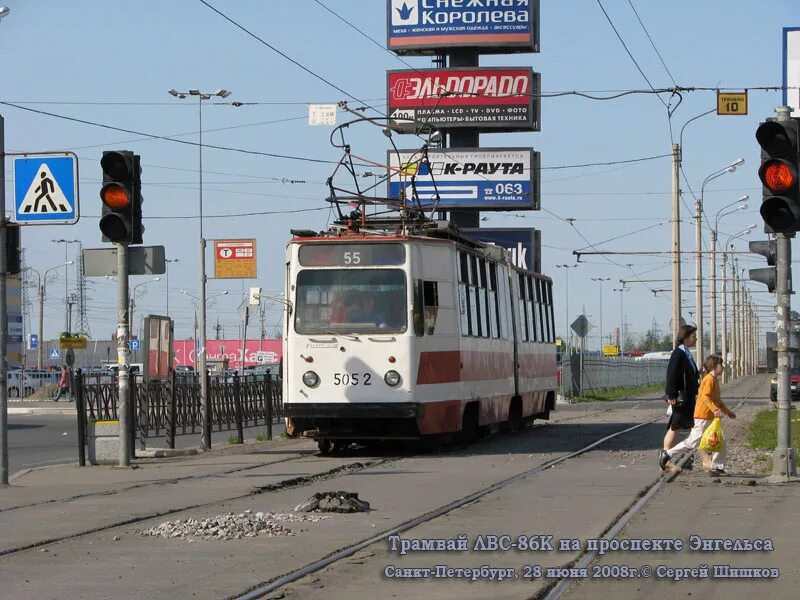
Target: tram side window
x: 541, y: 330
x: 523, y: 319
x: 530, y: 306
x: 494, y: 317
x: 483, y: 297
x: 474, y: 306
x: 463, y: 297
x: 503, y: 299
x: 426, y: 306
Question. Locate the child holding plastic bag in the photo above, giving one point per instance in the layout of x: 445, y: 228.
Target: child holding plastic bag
x: 708, y: 406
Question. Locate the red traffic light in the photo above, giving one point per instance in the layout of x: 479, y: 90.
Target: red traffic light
x: 777, y: 175
x: 114, y: 196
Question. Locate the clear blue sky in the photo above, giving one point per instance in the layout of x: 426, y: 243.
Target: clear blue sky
x: 113, y: 62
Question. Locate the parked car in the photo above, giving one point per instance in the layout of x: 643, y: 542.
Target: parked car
x: 794, y: 379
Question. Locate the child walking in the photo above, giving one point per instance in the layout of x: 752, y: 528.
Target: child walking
x: 708, y: 406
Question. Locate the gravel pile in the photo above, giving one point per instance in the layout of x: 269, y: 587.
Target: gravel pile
x: 742, y: 459
x: 231, y: 526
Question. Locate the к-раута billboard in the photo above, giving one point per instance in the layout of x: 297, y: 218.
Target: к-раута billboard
x: 484, y: 178
x: 491, y: 99
x: 421, y: 27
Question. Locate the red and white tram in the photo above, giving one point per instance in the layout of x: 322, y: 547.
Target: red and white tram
x: 408, y: 336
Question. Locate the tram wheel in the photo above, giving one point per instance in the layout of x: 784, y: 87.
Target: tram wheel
x: 470, y: 427
x: 515, y: 421
x: 324, y: 447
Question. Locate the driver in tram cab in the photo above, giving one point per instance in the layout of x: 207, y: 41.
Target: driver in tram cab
x: 368, y: 311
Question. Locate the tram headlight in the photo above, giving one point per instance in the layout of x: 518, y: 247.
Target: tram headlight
x: 310, y: 378
x: 392, y: 378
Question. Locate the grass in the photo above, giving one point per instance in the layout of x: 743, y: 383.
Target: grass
x: 619, y: 393
x: 262, y: 437
x: 285, y: 436
x: 763, y: 433
x: 233, y: 440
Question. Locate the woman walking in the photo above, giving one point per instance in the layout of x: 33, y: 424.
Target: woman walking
x: 681, y: 390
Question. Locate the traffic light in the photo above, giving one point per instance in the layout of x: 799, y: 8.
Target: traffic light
x: 769, y: 275
x: 780, y: 165
x: 121, y: 221
x: 13, y: 265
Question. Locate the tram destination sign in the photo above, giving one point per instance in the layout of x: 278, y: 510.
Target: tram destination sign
x: 483, y: 98
x: 419, y: 27
x: 484, y: 178
x: 350, y: 255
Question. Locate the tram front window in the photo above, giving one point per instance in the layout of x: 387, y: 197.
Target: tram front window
x: 351, y: 301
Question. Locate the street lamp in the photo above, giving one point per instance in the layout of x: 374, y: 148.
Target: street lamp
x: 698, y: 275
x: 41, y: 284
x: 621, y: 320
x: 66, y: 279
x: 725, y: 297
x: 566, y: 297
x: 204, y: 400
x: 601, y: 280
x: 4, y: 10
x: 722, y: 212
x: 133, y: 298
x: 166, y: 274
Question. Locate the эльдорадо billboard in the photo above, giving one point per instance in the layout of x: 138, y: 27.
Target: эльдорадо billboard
x: 484, y: 178
x: 492, y: 26
x: 483, y: 98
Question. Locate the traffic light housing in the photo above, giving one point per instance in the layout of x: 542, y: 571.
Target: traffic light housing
x: 13, y: 264
x: 121, y: 193
x: 768, y: 275
x: 780, y: 166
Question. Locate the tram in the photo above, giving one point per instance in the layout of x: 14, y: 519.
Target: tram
x: 412, y: 334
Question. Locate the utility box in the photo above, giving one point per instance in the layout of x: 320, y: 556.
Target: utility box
x: 102, y: 440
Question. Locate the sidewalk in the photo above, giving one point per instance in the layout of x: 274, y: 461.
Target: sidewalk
x: 65, y: 406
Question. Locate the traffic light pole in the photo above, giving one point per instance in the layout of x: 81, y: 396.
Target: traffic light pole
x: 123, y: 355
x: 3, y: 317
x: 783, y: 465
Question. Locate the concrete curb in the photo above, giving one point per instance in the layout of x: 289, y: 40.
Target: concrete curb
x: 24, y: 472
x: 13, y: 410
x: 166, y: 452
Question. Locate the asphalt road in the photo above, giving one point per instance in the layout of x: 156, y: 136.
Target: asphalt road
x: 40, y: 440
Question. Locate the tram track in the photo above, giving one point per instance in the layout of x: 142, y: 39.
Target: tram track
x: 276, y: 583
x: 558, y: 588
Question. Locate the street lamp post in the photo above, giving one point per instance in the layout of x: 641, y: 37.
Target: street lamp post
x: 204, y: 400
x: 621, y: 320
x: 724, y: 320
x: 166, y: 275
x: 133, y: 299
x: 601, y: 280
x: 722, y: 212
x: 66, y: 280
x: 698, y: 275
x: 41, y: 285
x: 196, y: 303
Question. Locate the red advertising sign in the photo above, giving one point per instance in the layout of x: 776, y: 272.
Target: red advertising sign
x: 157, y: 344
x: 258, y: 352
x: 504, y: 98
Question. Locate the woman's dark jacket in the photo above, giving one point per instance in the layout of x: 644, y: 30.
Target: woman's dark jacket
x: 682, y: 381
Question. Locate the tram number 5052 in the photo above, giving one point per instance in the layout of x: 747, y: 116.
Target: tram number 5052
x: 352, y: 379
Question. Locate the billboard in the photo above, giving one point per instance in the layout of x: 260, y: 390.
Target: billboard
x: 157, y: 347
x: 258, y: 352
x: 484, y: 178
x: 419, y: 27
x: 524, y: 243
x: 483, y: 98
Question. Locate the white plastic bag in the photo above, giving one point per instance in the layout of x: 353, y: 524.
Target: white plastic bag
x: 669, y: 410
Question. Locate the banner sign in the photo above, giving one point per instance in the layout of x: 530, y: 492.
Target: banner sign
x: 484, y: 98
x: 791, y: 67
x: 485, y: 178
x: 495, y: 26
x: 524, y: 243
x: 157, y: 347
x: 258, y: 352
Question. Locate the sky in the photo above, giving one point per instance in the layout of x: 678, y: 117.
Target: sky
x: 96, y: 65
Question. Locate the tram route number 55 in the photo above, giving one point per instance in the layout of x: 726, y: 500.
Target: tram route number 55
x: 352, y: 378
x: 352, y: 258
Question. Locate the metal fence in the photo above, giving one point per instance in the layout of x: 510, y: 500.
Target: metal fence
x: 172, y: 407
x: 603, y: 373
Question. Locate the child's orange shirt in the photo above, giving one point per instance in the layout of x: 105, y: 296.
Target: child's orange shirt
x: 708, y: 399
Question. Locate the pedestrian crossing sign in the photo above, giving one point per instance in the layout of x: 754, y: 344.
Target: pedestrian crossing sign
x: 46, y: 190
x: 54, y: 355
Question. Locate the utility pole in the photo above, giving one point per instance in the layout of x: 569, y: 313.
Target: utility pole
x: 676, y: 243
x: 123, y: 354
